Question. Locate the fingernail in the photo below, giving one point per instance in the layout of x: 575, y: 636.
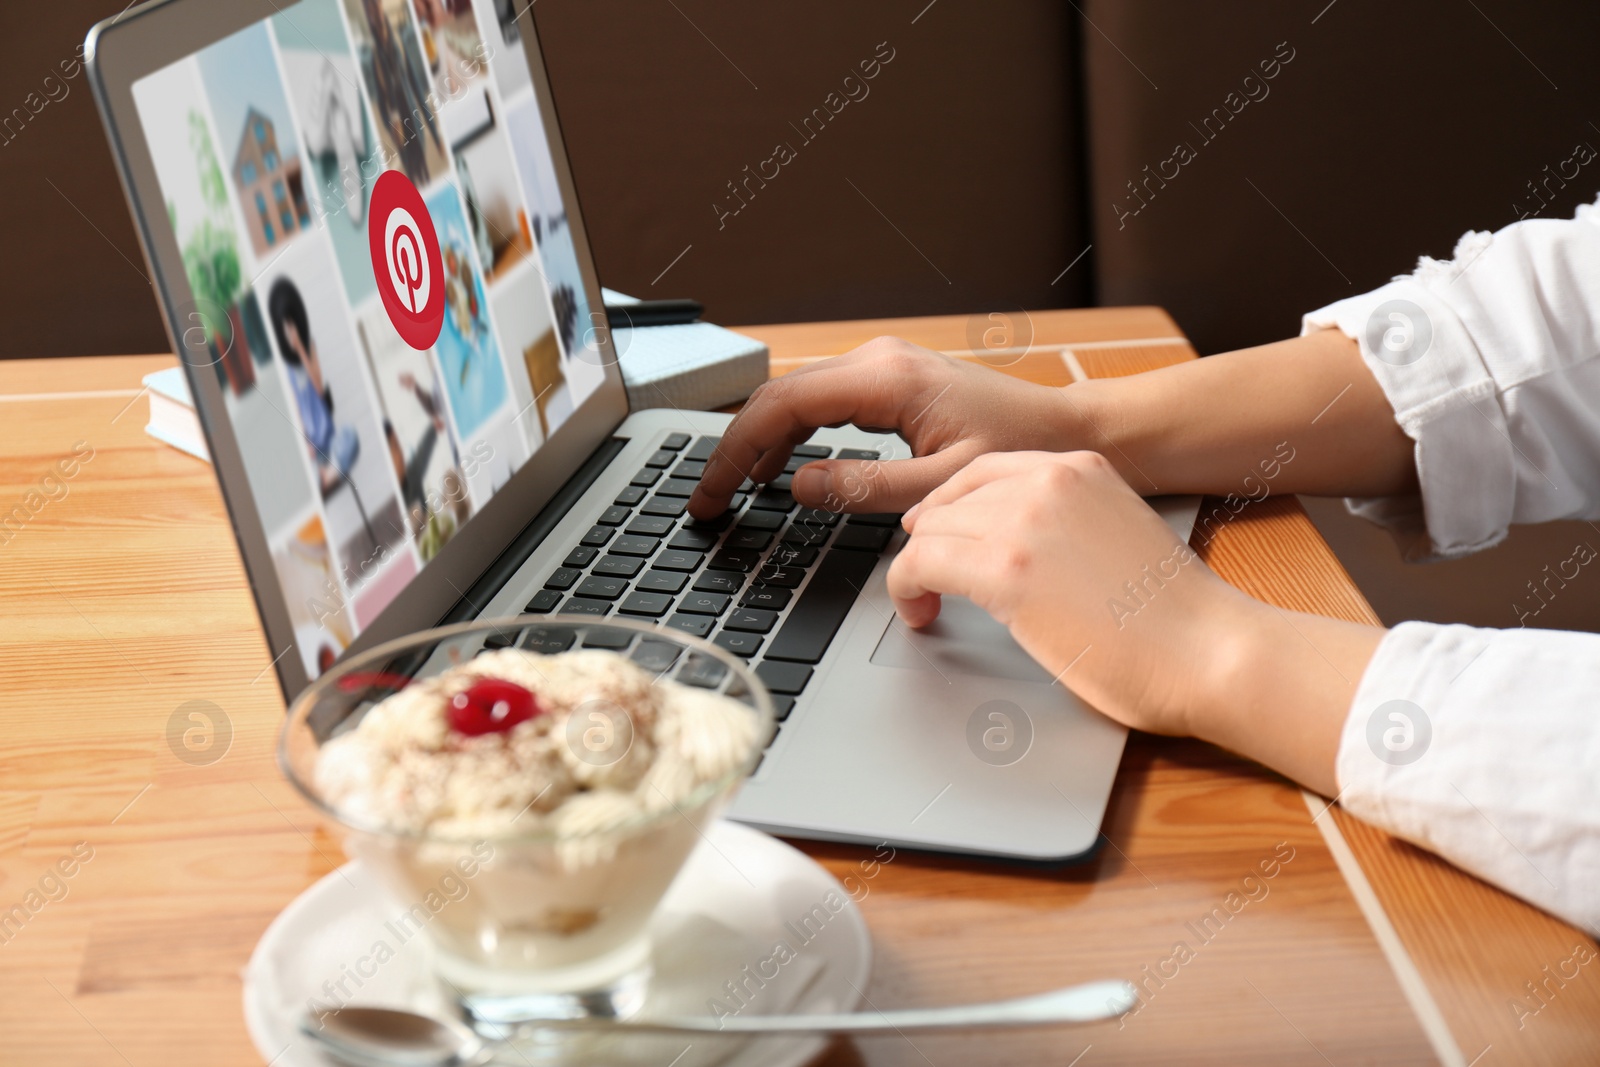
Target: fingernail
x: 909, y: 517
x: 812, y: 483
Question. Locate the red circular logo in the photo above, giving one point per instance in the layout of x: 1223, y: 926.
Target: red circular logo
x: 406, y: 260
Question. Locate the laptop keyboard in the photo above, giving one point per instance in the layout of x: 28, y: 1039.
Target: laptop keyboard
x: 767, y: 580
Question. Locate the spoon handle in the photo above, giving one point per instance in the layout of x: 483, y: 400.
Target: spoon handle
x: 1086, y: 1003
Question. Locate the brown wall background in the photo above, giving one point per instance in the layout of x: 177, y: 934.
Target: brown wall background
x: 988, y: 154
x: 953, y: 186
x: 1399, y: 125
x: 966, y: 187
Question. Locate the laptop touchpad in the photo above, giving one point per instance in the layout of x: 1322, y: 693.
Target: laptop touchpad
x: 962, y: 640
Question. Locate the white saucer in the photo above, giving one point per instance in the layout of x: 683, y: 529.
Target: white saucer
x: 741, y: 895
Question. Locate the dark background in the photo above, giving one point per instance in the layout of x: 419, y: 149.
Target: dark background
x: 987, y: 157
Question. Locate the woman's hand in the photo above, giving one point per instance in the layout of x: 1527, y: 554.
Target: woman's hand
x: 949, y: 410
x: 1090, y: 581
x: 1100, y: 591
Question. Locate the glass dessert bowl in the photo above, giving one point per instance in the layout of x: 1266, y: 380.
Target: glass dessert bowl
x: 527, y: 790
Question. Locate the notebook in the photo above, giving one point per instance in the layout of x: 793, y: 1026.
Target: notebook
x: 172, y: 417
x: 694, y: 366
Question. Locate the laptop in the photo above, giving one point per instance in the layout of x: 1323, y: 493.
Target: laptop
x: 372, y: 261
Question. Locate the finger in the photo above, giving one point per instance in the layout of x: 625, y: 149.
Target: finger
x: 928, y: 567
x: 979, y: 514
x: 867, y: 485
x: 983, y: 470
x: 853, y: 388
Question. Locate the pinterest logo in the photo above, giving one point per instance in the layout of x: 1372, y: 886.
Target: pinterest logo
x: 406, y: 260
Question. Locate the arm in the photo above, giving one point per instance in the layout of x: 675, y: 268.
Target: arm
x: 1198, y: 427
x: 1481, y: 745
x: 1204, y: 426
x: 1482, y: 374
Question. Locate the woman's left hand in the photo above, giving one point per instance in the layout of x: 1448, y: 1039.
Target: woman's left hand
x: 1090, y: 581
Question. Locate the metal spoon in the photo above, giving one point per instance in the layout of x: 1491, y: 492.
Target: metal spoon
x: 386, y: 1037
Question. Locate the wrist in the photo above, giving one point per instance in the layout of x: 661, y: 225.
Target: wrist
x: 1280, y: 688
x: 1091, y: 418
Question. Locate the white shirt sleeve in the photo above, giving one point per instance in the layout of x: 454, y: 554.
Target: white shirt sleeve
x: 1484, y: 747
x: 1492, y: 364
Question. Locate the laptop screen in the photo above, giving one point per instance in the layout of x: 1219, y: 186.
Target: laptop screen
x: 383, y: 277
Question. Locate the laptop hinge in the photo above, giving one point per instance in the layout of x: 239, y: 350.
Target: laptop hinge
x: 498, y: 573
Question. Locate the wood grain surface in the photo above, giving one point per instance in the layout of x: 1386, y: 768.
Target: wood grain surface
x: 124, y: 600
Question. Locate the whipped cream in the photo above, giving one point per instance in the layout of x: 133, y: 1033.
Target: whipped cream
x: 612, y: 745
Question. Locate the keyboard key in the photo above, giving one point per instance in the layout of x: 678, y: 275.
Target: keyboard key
x: 813, y: 451
x: 715, y: 524
x: 691, y: 540
x: 676, y: 559
x: 580, y: 557
x: 618, y: 566
x: 863, y: 538
x: 662, y: 581
x: 500, y: 639
x: 858, y: 453
x: 661, y: 458
x: 761, y: 520
x: 770, y: 597
x: 795, y: 462
x: 704, y: 603
x: 739, y: 644
x: 782, y: 577
x: 675, y: 487
x: 735, y: 559
x: 702, y: 448
x: 675, y: 442
x: 744, y: 537
x: 562, y: 578
x: 599, y: 587
x: 719, y: 582
x: 817, y: 615
x: 751, y: 620
x: 634, y: 545
x: 631, y: 496
x: 770, y: 500
x: 615, y: 515
x: 802, y: 535
x: 613, y: 638
x: 579, y: 606
x: 697, y: 625
x: 670, y: 506
x: 792, y: 556
x: 651, y: 525
x: 786, y: 678
x: 548, y: 640
x: 877, y: 518
x: 597, y: 536
x: 543, y: 602
x: 817, y: 517
x: 656, y: 656
x: 654, y: 605
x: 700, y: 670
x: 781, y: 707
x: 690, y: 469
x: 783, y: 483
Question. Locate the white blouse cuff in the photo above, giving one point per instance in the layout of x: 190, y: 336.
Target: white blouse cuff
x: 1483, y: 746
x: 1445, y: 400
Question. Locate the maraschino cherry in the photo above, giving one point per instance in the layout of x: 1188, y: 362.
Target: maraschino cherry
x: 491, y: 705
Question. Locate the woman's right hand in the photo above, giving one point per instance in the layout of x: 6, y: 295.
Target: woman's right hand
x: 950, y: 411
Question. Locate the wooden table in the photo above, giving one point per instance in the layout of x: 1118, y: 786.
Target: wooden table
x: 123, y: 598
